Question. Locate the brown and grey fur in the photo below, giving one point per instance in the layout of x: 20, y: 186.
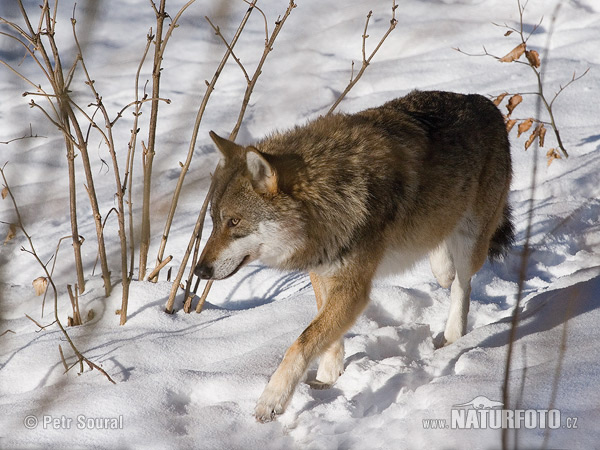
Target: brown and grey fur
x: 427, y: 173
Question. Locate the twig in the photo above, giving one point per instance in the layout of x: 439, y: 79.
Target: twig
x: 54, y: 258
x: 62, y: 358
x: 534, y: 64
x: 525, y: 255
x: 366, y: 61
x: 125, y: 280
x: 75, y: 305
x: 51, y: 281
x: 268, y: 49
x: 192, y: 146
x: 149, y: 154
x: 249, y: 89
x: 7, y: 331
x: 195, y: 236
x: 160, y: 266
x: 200, y: 304
x: 264, y: 16
x: 25, y: 136
x: 159, y: 50
x: 237, y: 60
x: 42, y: 327
x: 131, y: 146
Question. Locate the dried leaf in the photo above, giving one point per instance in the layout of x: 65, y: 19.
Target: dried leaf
x: 499, y: 99
x: 508, y: 33
x: 552, y: 155
x: 4, y: 192
x: 535, y: 133
x: 542, y: 135
x: 533, y: 57
x: 510, y: 124
x: 12, y: 232
x: 514, y: 54
x: 524, y: 126
x: 40, y: 285
x: 513, y: 102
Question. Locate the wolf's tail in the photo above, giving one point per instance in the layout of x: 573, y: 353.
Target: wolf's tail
x: 503, y: 237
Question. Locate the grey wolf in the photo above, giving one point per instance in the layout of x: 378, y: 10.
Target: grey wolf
x: 428, y: 173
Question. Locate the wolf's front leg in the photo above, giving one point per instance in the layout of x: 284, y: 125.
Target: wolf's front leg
x: 347, y: 295
x: 331, y: 365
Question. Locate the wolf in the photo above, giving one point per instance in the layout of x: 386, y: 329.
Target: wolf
x: 424, y: 174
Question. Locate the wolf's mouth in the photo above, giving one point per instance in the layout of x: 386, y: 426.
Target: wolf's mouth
x: 244, y: 261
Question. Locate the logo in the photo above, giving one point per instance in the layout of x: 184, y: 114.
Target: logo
x: 480, y: 402
x: 484, y: 413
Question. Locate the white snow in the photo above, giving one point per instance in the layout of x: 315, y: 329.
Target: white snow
x: 191, y: 380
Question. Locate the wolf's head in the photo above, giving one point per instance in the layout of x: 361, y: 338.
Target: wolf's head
x: 252, y: 217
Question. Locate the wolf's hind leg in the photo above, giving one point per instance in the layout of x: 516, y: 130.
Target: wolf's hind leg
x: 331, y: 364
x: 462, y: 246
x: 347, y: 296
x: 442, y: 265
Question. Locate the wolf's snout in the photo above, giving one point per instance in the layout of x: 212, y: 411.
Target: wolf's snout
x: 204, y: 271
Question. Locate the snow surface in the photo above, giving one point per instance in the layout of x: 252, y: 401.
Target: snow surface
x: 191, y: 381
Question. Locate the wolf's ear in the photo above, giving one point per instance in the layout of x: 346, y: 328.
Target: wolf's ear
x: 228, y: 149
x: 264, y: 177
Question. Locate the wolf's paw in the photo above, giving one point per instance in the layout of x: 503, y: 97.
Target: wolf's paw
x: 331, y: 367
x: 451, y: 336
x: 319, y: 385
x: 328, y: 373
x: 269, y: 405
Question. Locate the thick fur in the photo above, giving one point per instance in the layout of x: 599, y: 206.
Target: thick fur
x: 427, y: 173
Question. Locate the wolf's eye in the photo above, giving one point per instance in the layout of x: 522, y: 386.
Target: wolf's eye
x: 232, y: 222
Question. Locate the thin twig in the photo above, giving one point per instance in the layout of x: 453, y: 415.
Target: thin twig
x: 237, y: 60
x: 249, y: 89
x: 62, y: 358
x: 192, y: 146
x: 160, y: 266
x: 526, y: 253
x: 42, y: 327
x: 548, y: 105
x: 26, y: 136
x: 33, y: 252
x: 366, y: 61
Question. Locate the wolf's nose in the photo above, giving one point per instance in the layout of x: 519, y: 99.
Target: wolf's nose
x: 204, y: 271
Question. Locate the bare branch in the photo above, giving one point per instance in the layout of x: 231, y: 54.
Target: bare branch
x: 237, y: 60
x: 366, y: 61
x: 25, y: 136
x: 172, y: 26
x: 192, y: 146
x: 571, y: 81
x: 42, y: 327
x: 50, y: 280
x: 253, y: 5
x: 158, y: 268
